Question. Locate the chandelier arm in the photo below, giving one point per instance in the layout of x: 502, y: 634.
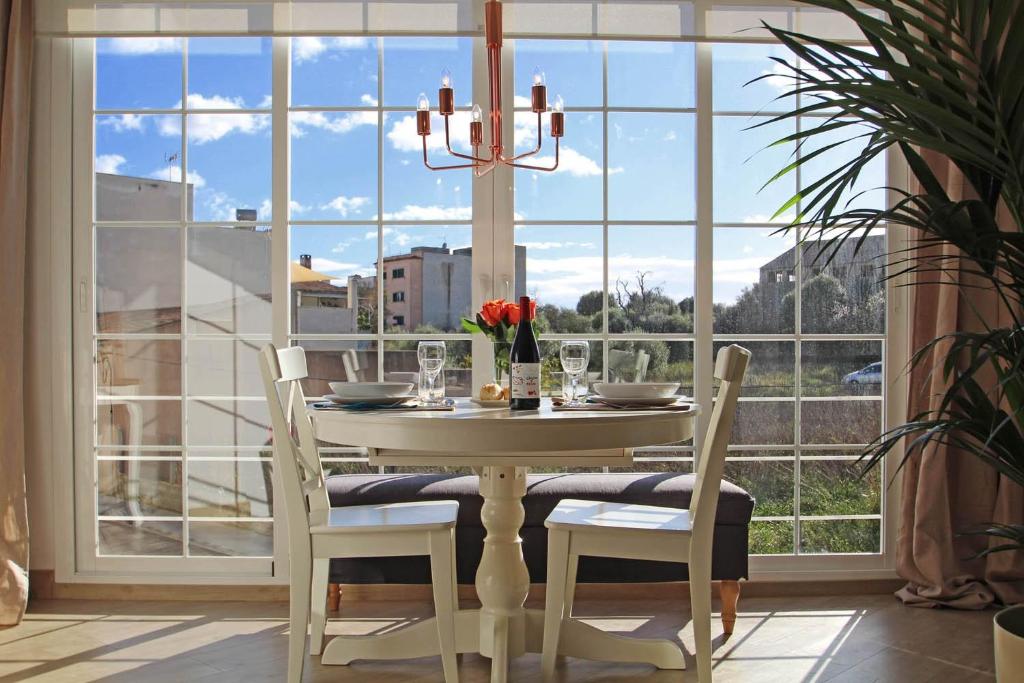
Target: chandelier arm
x: 426, y: 162
x: 483, y: 169
x: 539, y: 168
x: 448, y: 146
x: 535, y: 150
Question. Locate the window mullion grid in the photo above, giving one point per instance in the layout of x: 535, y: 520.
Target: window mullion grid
x: 380, y: 219
x: 184, y: 217
x: 605, y: 341
x: 798, y: 353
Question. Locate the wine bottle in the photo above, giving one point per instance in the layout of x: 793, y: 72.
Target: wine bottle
x: 524, y: 362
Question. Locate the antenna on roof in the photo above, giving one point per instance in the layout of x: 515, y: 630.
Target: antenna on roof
x: 168, y: 159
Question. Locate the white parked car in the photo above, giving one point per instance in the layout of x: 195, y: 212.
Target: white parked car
x: 871, y: 374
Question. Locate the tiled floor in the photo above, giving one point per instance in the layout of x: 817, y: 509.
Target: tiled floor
x: 842, y: 639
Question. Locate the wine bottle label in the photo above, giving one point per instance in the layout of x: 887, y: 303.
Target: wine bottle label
x: 525, y: 380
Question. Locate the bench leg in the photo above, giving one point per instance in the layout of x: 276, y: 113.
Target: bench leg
x: 729, y: 591
x: 333, y: 597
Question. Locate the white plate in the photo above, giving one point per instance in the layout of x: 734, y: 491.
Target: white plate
x: 382, y: 401
x: 498, y: 403
x: 365, y: 390
x: 631, y: 390
x: 638, y: 402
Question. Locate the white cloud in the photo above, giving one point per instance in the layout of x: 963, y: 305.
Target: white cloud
x: 172, y: 173
x: 404, y: 138
x: 109, y: 163
x: 139, y: 46
x: 309, y: 48
x: 123, y: 122
x: 572, y: 162
x: 203, y: 128
x: 544, y: 246
x: 415, y: 212
x: 297, y: 207
x: 521, y: 101
x: 340, y: 124
x: 343, y: 245
x: 368, y: 100
x: 264, y: 212
x: 346, y: 205
x: 329, y: 267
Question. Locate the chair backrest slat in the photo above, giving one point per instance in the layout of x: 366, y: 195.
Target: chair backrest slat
x: 296, y: 457
x: 730, y: 367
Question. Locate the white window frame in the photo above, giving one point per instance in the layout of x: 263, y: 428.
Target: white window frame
x: 67, y: 161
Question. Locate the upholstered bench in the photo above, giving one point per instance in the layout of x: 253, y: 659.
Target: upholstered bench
x: 728, y: 564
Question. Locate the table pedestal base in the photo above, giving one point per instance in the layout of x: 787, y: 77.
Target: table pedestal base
x: 578, y: 640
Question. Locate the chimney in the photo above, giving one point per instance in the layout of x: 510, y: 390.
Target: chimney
x: 306, y: 261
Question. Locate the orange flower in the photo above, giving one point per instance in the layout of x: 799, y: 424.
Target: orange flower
x: 493, y: 311
x: 512, y: 312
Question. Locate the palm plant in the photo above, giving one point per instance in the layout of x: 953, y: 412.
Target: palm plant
x: 941, y: 76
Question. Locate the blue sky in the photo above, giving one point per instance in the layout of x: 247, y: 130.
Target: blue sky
x: 650, y: 155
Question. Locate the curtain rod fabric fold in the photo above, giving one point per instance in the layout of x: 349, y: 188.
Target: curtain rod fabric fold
x: 582, y: 19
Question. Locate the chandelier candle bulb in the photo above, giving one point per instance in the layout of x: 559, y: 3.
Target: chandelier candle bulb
x: 476, y: 127
x: 423, y: 115
x: 539, y: 93
x: 446, y: 95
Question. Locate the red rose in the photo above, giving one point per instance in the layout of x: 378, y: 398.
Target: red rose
x: 512, y: 313
x: 492, y: 311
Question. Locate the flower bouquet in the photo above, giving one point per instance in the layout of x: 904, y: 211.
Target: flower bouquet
x: 497, y: 320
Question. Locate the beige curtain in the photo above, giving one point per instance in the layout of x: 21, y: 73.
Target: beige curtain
x: 15, y: 90
x: 946, y: 491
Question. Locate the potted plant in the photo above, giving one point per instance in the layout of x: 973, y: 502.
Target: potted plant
x: 941, y: 76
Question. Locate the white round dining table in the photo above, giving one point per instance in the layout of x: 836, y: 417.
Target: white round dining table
x: 500, y: 445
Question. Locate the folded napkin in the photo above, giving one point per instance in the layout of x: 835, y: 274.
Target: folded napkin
x: 330, y: 405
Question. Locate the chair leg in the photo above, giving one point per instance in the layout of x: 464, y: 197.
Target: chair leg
x: 700, y: 608
x: 318, y: 605
x: 298, y: 617
x: 729, y: 591
x: 333, y: 597
x: 554, y: 601
x: 441, y: 570
x: 455, y: 577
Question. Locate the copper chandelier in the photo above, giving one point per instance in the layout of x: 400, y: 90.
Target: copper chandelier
x: 446, y: 107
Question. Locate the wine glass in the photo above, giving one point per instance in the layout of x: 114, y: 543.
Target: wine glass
x: 575, y: 356
x: 431, y: 355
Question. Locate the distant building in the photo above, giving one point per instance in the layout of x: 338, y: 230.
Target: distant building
x: 129, y: 198
x: 857, y: 269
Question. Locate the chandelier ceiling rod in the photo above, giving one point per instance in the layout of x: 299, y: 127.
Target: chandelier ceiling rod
x: 446, y: 107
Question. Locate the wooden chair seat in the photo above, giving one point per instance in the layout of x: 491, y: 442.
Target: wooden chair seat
x: 426, y: 516
x: 581, y: 515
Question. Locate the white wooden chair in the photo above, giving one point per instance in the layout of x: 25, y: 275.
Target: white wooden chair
x: 317, y: 532
x: 645, y: 532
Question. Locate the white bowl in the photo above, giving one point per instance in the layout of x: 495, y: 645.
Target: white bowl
x: 636, y: 389
x: 371, y: 389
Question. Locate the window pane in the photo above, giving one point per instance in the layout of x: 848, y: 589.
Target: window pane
x: 229, y: 280
x: 337, y: 361
x: 138, y: 280
x: 334, y: 165
x: 754, y: 281
x: 334, y: 71
x: 333, y: 279
x: 231, y: 538
x: 138, y: 73
x: 771, y: 368
x: 574, y: 190
x: 139, y: 538
x: 651, y: 173
x: 744, y: 161
x: 141, y: 368
x: 770, y: 482
x: 414, y: 65
x: 229, y: 165
x: 124, y: 422
x: 229, y: 73
x: 851, y: 140
x: 835, y: 487
x: 138, y: 168
x: 228, y: 367
x: 771, y: 538
x: 763, y: 422
x: 564, y: 273
x: 845, y: 295
x: 228, y: 423
x: 650, y: 275
x: 133, y: 488
x: 650, y: 74
x: 734, y: 65
x: 572, y: 69
x: 402, y: 365
x: 411, y: 191
x: 840, y: 536
x: 652, y: 361
x: 230, y: 488
x: 841, y: 368
x: 840, y: 422
x: 430, y: 269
